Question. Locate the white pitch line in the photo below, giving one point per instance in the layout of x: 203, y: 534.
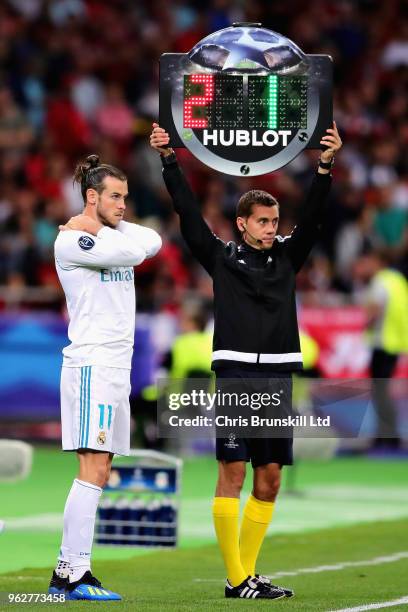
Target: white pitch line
x: 339, y: 566
x: 332, y: 568
x: 40, y: 522
x: 376, y: 606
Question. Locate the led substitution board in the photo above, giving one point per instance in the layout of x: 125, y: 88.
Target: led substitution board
x: 245, y: 100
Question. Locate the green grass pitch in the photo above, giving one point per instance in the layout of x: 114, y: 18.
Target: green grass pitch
x: 340, y: 542
x: 192, y: 578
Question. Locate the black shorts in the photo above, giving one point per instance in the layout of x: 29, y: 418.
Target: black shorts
x: 260, y: 451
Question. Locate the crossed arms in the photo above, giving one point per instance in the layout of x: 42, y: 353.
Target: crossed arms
x: 128, y: 245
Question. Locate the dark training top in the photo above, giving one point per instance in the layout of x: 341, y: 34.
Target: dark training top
x: 255, y: 321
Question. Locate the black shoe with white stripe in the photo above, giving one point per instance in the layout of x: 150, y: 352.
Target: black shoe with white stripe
x: 265, y: 580
x: 252, y: 588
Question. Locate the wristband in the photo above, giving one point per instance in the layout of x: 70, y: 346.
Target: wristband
x: 167, y: 160
x: 326, y: 165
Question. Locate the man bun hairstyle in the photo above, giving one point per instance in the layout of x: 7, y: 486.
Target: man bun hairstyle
x: 250, y: 198
x: 90, y: 174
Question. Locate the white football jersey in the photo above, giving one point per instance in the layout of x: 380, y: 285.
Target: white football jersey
x: 97, y: 275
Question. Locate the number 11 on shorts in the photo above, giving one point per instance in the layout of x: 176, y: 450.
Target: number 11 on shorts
x: 102, y: 415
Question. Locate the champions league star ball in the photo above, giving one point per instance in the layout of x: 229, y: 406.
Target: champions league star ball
x: 245, y: 100
x: 249, y: 49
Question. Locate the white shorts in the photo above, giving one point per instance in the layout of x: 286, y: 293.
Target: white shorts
x: 95, y: 411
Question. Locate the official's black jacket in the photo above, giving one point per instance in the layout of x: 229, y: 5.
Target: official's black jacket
x: 255, y: 322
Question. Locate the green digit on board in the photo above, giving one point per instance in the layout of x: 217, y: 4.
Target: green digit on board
x: 273, y: 85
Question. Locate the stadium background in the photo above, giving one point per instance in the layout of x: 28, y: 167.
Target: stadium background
x: 81, y: 76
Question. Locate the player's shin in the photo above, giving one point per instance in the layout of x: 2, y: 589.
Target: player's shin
x: 226, y: 516
x: 79, y: 522
x: 255, y: 521
x: 62, y: 568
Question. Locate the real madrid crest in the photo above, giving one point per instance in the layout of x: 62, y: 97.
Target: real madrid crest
x: 101, y: 439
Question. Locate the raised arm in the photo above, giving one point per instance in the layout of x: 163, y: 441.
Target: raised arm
x: 307, y: 231
x: 202, y: 242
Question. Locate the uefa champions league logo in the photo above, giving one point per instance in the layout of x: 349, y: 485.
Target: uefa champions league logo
x: 86, y: 243
x: 248, y: 48
x: 231, y: 441
x: 245, y: 100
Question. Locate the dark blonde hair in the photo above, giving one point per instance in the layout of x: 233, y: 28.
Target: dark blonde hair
x: 90, y: 174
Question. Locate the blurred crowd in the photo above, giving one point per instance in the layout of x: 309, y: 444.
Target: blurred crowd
x: 81, y: 76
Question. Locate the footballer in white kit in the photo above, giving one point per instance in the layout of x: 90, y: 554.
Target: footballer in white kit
x: 96, y: 273
x: 95, y: 255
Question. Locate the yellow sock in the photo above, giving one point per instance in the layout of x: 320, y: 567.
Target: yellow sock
x: 257, y: 516
x: 226, y: 516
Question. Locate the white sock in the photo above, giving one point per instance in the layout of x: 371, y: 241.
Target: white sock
x: 62, y: 568
x: 79, y: 524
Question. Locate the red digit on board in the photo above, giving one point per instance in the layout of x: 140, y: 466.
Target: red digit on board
x: 208, y: 81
